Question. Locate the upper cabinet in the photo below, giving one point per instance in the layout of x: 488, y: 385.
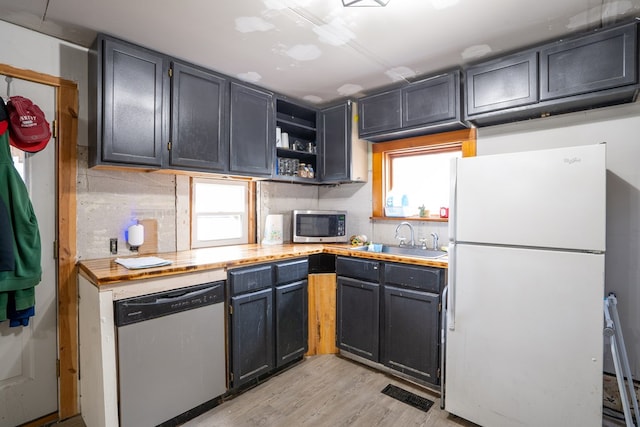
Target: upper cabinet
x: 502, y: 83
x: 427, y: 106
x: 129, y: 105
x: 198, y: 119
x: 149, y: 111
x: 343, y: 156
x: 251, y: 132
x: 572, y: 74
x: 597, y: 62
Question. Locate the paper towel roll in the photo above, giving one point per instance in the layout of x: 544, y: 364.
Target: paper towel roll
x: 273, y: 225
x: 135, y: 235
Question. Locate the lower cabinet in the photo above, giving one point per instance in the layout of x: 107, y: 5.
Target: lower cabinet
x: 389, y: 313
x: 252, y: 335
x: 267, y: 318
x: 411, y: 333
x: 359, y: 317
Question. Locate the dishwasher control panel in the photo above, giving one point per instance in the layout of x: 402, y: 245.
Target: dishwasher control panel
x: 138, y: 309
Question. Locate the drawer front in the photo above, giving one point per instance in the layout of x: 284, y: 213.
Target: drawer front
x: 358, y: 269
x: 424, y: 278
x: 291, y: 271
x: 250, y: 279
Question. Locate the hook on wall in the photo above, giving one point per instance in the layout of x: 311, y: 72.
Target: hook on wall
x: 8, y: 79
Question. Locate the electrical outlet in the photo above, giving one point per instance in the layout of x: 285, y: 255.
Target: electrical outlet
x: 113, y: 245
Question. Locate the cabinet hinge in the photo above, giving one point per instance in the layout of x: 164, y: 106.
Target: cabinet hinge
x: 170, y: 71
x: 438, y: 373
x: 54, y: 129
x: 230, y: 377
x: 230, y: 310
x: 58, y: 368
x: 439, y: 307
x: 169, y: 145
x: 55, y: 249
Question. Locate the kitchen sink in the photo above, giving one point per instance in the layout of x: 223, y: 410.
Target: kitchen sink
x: 404, y: 250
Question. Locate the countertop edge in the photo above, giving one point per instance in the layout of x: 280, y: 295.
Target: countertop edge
x: 105, y: 271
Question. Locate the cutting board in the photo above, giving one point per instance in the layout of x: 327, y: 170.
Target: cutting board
x: 150, y: 245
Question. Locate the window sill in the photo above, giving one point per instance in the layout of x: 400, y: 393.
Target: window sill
x: 409, y: 218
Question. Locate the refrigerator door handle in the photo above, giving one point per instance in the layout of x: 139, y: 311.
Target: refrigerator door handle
x: 451, y: 284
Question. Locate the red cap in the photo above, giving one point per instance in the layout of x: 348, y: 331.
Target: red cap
x: 29, y: 129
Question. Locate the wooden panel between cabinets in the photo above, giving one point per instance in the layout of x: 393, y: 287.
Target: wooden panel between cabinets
x: 322, y: 314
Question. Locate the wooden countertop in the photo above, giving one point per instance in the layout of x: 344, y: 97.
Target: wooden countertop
x: 105, y: 271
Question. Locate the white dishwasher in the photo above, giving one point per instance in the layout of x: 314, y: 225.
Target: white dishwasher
x: 171, y: 353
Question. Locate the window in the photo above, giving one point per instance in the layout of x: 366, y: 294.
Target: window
x: 414, y: 172
x: 220, y: 212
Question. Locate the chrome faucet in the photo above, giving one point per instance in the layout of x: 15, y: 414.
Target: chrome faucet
x: 412, y: 242
x: 435, y: 240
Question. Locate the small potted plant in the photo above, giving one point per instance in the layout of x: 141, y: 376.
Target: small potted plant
x: 423, y: 211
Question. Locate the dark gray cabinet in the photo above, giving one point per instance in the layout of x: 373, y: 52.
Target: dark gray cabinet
x: 380, y: 113
x: 580, y: 72
x: 431, y: 101
x: 389, y: 313
x: 129, y: 105
x: 251, y: 131
x: 600, y: 61
x: 335, y: 146
x: 267, y: 318
x: 411, y: 333
x: 198, y: 119
x: 502, y: 83
x: 253, y: 337
x: 291, y: 322
x: 149, y: 111
x: 251, y: 331
x: 358, y: 307
x: 427, y: 106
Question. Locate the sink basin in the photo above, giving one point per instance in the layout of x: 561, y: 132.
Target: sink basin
x: 408, y: 251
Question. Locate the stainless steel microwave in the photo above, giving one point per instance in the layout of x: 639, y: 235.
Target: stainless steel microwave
x: 319, y: 226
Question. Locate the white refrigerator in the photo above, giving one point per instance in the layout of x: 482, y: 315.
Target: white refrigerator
x: 524, y: 321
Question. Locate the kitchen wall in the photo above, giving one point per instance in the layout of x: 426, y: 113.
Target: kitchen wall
x: 109, y: 200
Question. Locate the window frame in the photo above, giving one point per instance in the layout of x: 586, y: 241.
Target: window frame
x: 383, y: 152
x: 250, y: 203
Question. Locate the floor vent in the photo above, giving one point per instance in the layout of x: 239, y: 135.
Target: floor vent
x: 408, y: 397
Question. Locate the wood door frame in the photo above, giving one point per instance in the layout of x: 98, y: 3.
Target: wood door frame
x: 67, y: 293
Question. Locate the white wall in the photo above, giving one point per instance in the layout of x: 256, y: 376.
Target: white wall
x: 617, y: 126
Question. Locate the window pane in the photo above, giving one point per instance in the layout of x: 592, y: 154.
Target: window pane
x: 423, y: 179
x: 219, y: 197
x: 219, y: 227
x: 219, y: 213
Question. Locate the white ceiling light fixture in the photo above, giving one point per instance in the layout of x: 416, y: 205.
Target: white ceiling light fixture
x: 364, y: 3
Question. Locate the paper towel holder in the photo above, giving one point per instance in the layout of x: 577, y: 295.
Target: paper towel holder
x: 135, y: 236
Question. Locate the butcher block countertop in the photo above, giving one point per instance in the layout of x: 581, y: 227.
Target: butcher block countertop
x: 106, y: 271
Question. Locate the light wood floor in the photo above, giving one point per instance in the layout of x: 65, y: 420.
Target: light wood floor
x: 326, y: 391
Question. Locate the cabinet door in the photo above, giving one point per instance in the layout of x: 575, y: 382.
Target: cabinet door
x: 133, y: 104
x: 335, y: 146
x: 291, y: 322
x: 411, y: 333
x: 602, y: 60
x: 379, y: 113
x: 431, y: 101
x: 502, y: 83
x: 251, y: 131
x: 358, y: 317
x: 198, y: 125
x: 252, y: 336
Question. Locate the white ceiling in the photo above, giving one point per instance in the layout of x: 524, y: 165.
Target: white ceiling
x: 318, y: 50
